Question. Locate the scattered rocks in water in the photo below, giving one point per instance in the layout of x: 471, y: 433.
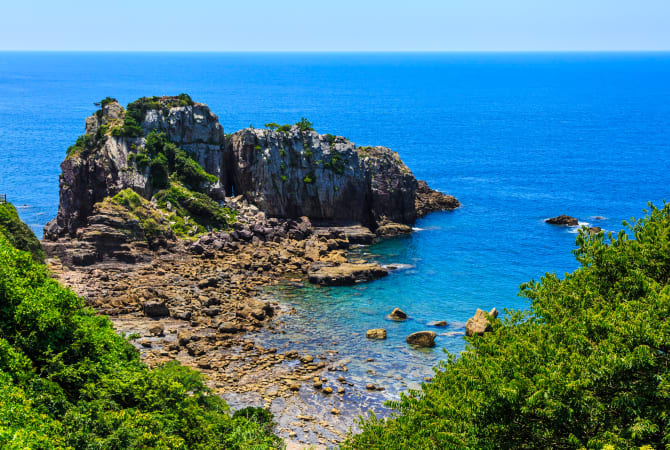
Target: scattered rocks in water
x: 340, y: 390
x: 370, y: 387
x: 307, y: 359
x: 294, y: 386
x: 595, y: 230
x: 377, y: 333
x: 479, y: 323
x: 345, y: 274
x: 397, y: 314
x: 328, y: 390
x: 422, y: 339
x: 439, y: 323
x: 563, y: 220
x: 334, y: 411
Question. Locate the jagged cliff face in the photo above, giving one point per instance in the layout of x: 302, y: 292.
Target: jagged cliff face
x: 303, y: 173
x: 194, y: 128
x: 103, y: 169
x: 289, y: 173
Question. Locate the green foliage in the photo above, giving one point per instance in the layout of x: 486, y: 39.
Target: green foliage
x: 166, y: 160
x: 105, y: 101
x: 305, y: 125
x: 67, y: 380
x: 258, y: 148
x: 588, y: 366
x: 282, y: 152
x: 286, y: 129
x: 18, y: 233
x: 331, y: 139
x: 83, y: 143
x: 335, y: 163
x: 309, y: 179
x: 158, y: 172
x: 284, y: 178
x: 271, y: 125
x: 206, y: 213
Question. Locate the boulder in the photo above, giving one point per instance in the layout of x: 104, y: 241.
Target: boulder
x: 376, y: 333
x: 397, y: 314
x: 422, y: 339
x: 479, y: 323
x: 595, y: 230
x: 391, y: 229
x: 157, y: 330
x: 563, y: 220
x: 155, y: 309
x: 228, y: 327
x: 345, y: 274
x: 439, y: 323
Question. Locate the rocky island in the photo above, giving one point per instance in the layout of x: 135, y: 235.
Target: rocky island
x: 169, y: 225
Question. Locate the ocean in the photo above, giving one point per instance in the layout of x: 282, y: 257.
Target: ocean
x: 516, y: 137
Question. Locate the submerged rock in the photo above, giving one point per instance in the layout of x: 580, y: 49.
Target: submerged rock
x: 563, y: 220
x: 422, y: 339
x: 346, y: 274
x: 479, y: 323
x: 397, y: 314
x: 439, y: 323
x: 377, y: 333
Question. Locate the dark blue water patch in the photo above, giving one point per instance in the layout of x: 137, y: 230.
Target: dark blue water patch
x: 516, y: 137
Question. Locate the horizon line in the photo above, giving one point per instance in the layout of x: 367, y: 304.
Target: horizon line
x: 339, y: 51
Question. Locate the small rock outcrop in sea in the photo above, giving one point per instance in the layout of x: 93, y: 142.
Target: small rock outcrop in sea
x: 595, y: 230
x: 345, y: 274
x: 422, y: 339
x: 479, y: 323
x: 397, y: 314
x: 563, y: 220
x: 376, y: 333
x: 439, y: 323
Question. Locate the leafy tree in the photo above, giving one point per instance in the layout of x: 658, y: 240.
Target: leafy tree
x: 587, y: 366
x: 67, y: 380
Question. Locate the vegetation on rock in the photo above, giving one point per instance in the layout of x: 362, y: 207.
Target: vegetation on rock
x: 588, y: 366
x: 67, y: 380
x: 17, y: 233
x: 206, y: 214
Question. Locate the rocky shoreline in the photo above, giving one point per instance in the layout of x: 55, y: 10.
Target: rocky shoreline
x: 150, y: 234
x: 198, y: 303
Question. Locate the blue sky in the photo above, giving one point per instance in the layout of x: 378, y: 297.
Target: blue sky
x: 340, y: 25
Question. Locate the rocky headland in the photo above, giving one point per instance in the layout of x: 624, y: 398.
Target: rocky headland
x: 172, y: 227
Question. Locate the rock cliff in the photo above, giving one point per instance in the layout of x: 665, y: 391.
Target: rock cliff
x: 285, y: 171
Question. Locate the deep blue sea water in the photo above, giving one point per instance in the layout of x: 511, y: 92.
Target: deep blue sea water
x: 515, y: 137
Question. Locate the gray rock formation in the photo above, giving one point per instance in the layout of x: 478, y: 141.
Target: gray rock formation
x: 285, y: 174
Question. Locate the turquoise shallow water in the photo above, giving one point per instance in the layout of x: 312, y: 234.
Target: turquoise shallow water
x: 516, y: 137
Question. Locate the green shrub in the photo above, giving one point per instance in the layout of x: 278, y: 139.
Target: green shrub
x: 305, y: 125
x: 67, y: 380
x: 83, y: 143
x: 17, y: 233
x: 205, y: 212
x: 271, y: 125
x: 309, y: 179
x: 173, y: 161
x: 286, y: 129
x: 159, y: 172
x: 282, y: 152
x: 588, y: 366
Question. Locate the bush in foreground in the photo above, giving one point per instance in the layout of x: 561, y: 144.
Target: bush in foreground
x: 67, y: 380
x: 587, y: 366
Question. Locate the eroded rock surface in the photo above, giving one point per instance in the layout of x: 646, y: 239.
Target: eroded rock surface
x: 479, y: 323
